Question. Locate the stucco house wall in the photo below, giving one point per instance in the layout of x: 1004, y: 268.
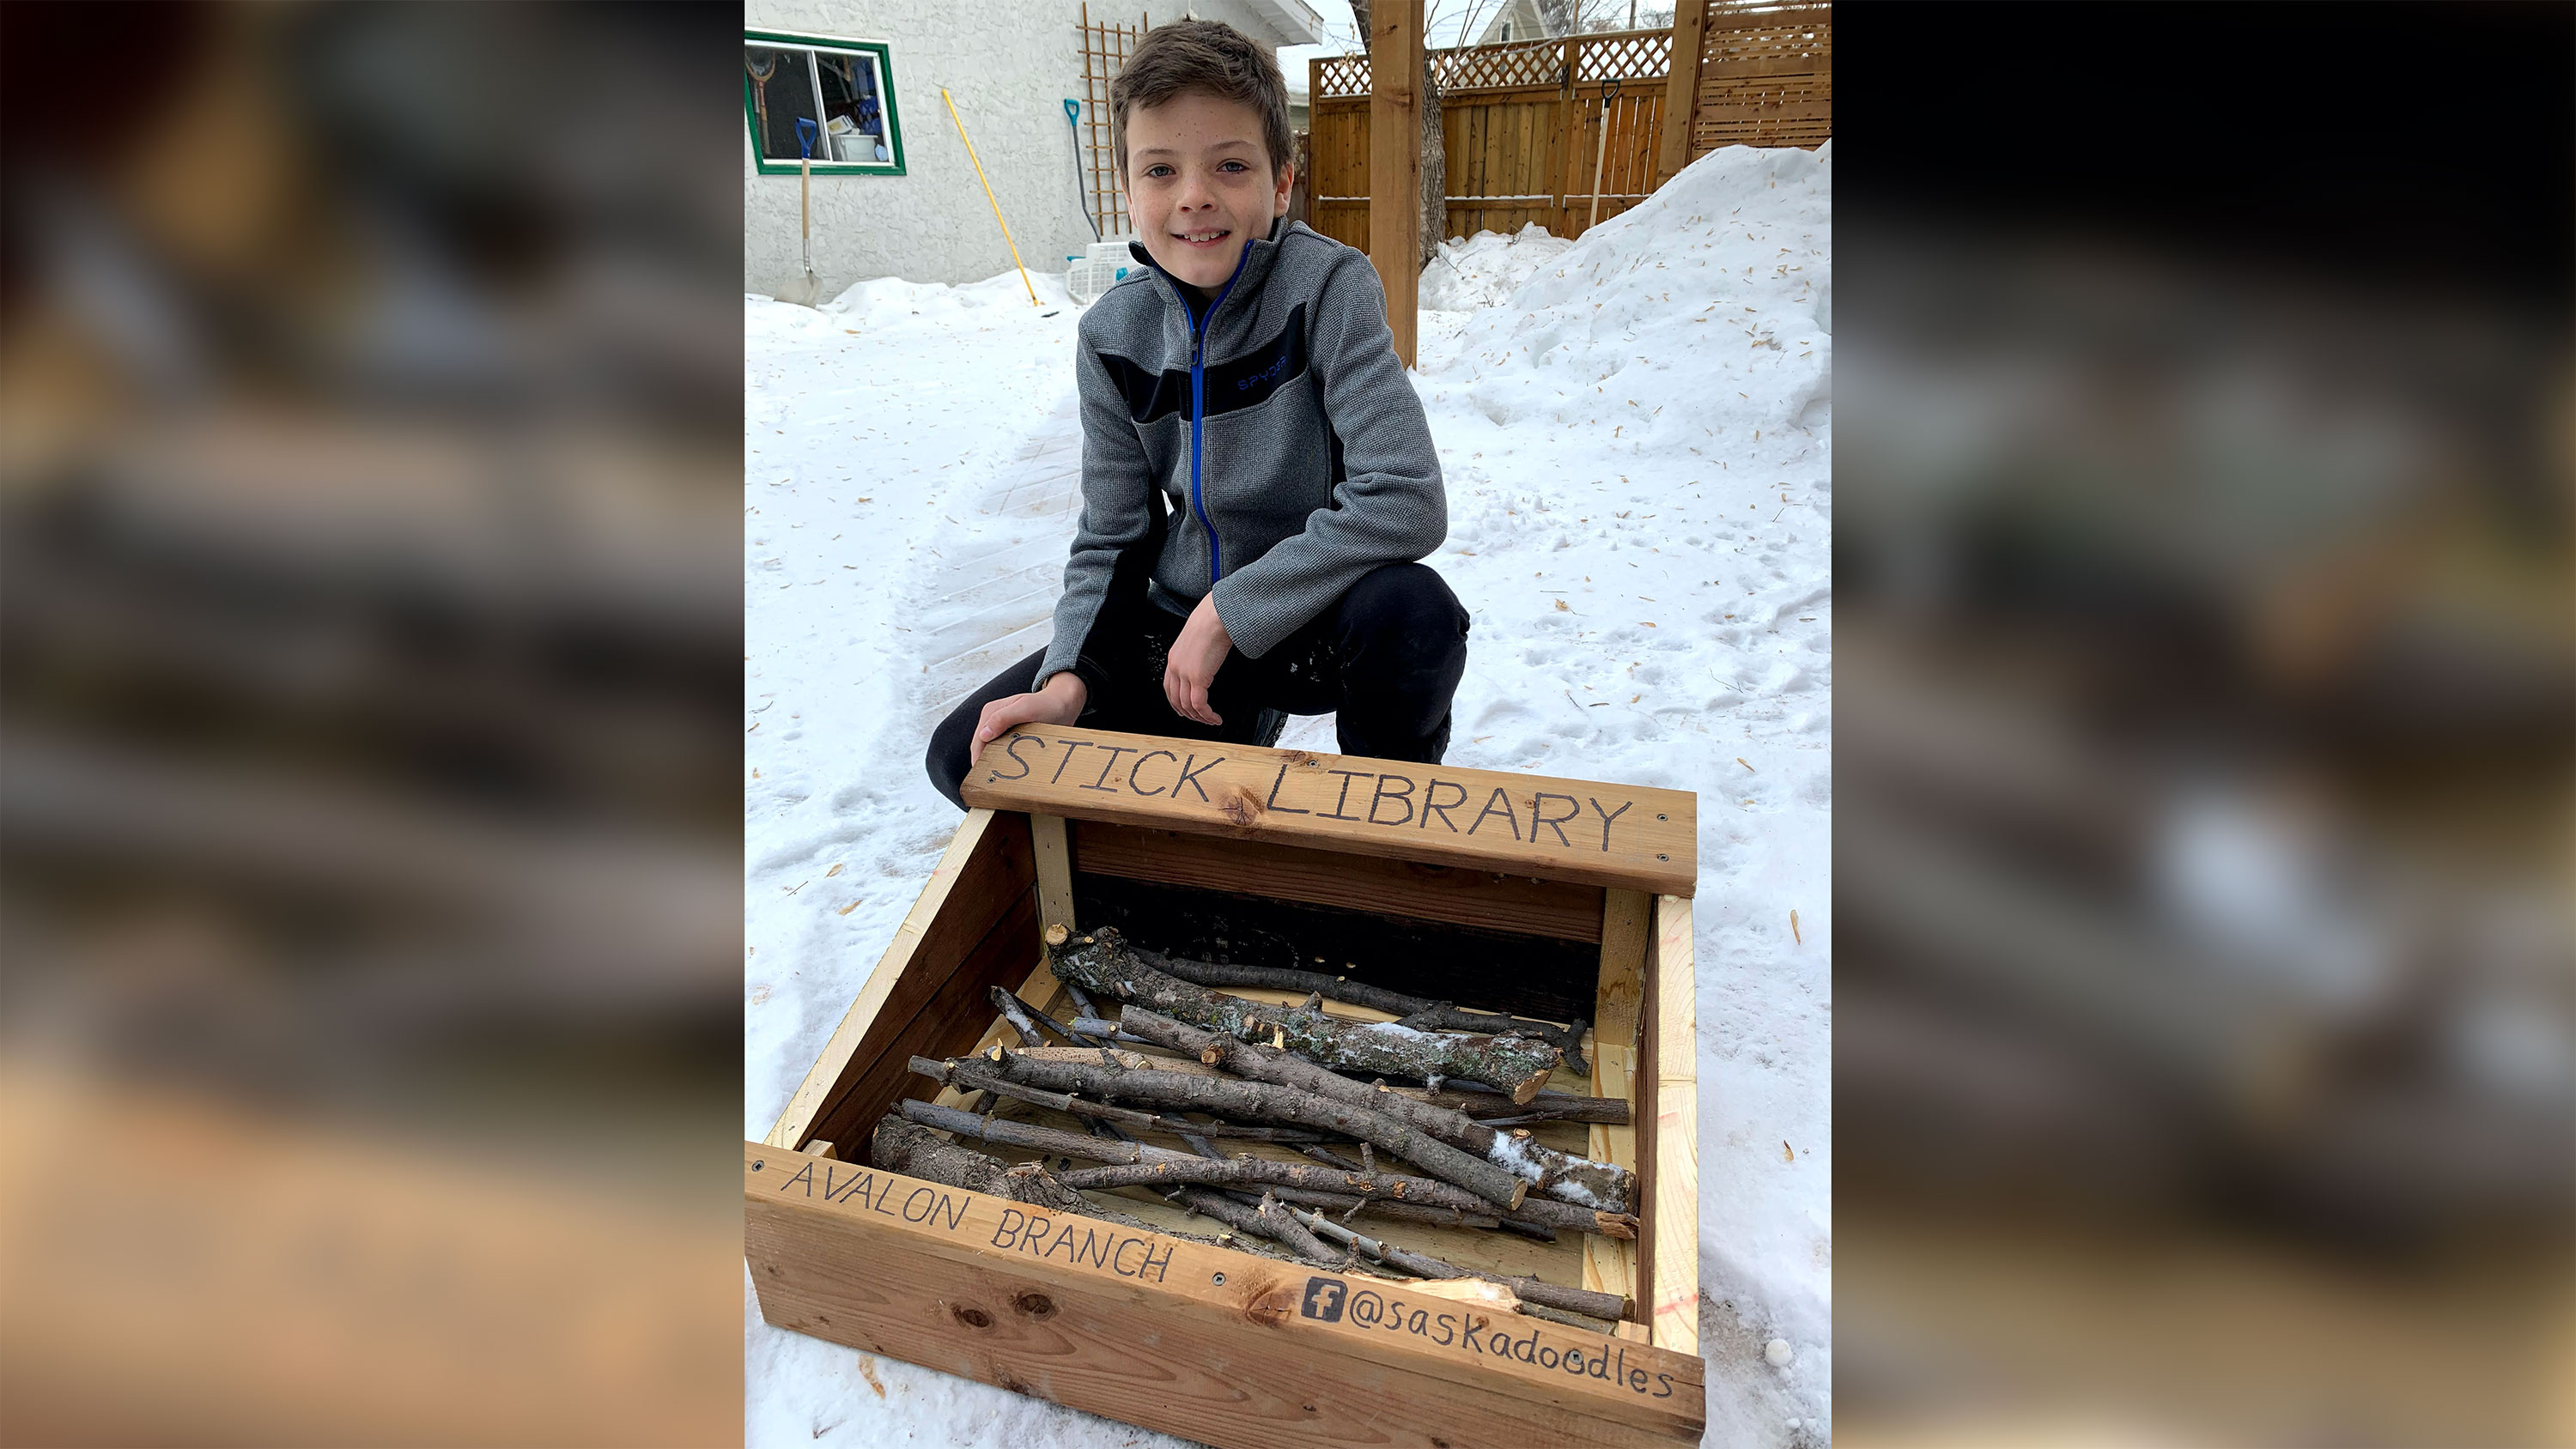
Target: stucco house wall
x: 1009, y: 65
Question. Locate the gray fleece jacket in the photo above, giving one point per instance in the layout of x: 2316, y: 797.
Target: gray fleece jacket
x: 1287, y: 442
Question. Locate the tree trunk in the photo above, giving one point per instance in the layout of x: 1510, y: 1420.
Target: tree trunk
x: 1435, y: 167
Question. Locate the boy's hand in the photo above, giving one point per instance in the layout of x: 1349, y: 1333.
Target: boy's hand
x: 1194, y: 661
x: 1058, y: 701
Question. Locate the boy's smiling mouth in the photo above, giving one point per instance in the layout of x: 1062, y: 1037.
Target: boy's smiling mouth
x: 1207, y: 238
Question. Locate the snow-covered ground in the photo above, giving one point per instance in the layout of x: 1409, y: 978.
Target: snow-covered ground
x: 1636, y: 430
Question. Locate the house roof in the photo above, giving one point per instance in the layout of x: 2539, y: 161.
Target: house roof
x: 1291, y: 22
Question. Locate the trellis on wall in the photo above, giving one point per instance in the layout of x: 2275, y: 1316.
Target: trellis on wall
x: 1106, y: 45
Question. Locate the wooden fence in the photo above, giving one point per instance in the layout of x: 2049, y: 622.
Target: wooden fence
x: 1764, y: 76
x: 1520, y: 131
x: 1521, y: 123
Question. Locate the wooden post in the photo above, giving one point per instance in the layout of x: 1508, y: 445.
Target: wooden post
x: 1395, y: 164
x: 1681, y: 87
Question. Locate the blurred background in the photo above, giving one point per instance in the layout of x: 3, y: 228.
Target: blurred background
x: 369, y: 604
x: 2205, y: 1053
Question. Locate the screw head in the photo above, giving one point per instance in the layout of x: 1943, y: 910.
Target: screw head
x: 758, y: 1163
x: 1218, y: 1279
x: 1659, y: 817
x: 1663, y: 857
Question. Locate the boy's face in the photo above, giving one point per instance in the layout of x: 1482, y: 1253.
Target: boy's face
x: 1200, y: 186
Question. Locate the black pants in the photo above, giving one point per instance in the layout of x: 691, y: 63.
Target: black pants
x: 1385, y: 660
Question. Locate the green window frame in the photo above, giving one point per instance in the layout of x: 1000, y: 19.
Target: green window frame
x: 853, y: 54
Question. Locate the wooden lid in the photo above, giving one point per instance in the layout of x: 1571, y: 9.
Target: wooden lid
x: 1625, y: 836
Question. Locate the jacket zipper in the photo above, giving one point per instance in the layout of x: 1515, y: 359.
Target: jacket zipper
x: 1198, y: 413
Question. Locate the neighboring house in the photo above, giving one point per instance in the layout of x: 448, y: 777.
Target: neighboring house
x: 893, y: 191
x: 1536, y: 19
x: 1519, y: 20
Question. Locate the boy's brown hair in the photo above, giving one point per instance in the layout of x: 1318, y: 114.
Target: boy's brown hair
x: 1205, y: 57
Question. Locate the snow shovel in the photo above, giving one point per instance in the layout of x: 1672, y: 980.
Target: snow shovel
x: 806, y: 290
x: 1073, y: 118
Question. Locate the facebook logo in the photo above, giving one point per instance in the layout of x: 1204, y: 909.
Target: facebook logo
x: 1323, y: 1300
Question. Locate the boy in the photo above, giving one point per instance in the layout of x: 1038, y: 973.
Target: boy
x: 1244, y: 382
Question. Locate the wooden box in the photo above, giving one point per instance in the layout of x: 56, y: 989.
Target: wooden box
x: 1551, y: 898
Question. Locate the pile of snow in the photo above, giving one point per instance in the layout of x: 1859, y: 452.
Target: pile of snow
x: 884, y: 298
x: 1637, y: 446
x: 1486, y: 269
x: 1719, y: 275
x: 1638, y: 450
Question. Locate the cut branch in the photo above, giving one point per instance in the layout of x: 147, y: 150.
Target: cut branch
x: 900, y: 1146
x: 1579, y: 1180
x: 1266, y: 1172
x: 964, y: 1074
x: 1264, y: 1219
x: 1016, y: 1015
x: 1092, y: 1026
x: 1420, y: 1013
x: 1482, y: 1104
x: 1034, y: 1138
x: 1264, y: 1101
x: 1026, y: 1019
x: 1610, y: 1306
x: 1103, y: 963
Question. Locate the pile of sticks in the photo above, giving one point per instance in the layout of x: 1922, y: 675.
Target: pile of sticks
x: 1257, y: 1072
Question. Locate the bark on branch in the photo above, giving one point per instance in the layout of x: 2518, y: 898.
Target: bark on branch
x: 1489, y: 1107
x: 901, y: 1146
x: 965, y: 1075
x: 1602, y: 1186
x: 1264, y: 1101
x: 1034, y: 1138
x: 1413, y: 1011
x: 1103, y: 963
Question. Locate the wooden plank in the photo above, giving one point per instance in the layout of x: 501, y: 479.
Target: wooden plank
x: 1201, y: 1341
x: 1766, y: 108
x: 1331, y: 878
x: 1039, y: 988
x: 1629, y: 836
x: 988, y: 862
x: 1395, y: 164
x: 1668, y: 1245
x: 1627, y: 918
x: 1773, y: 67
x: 945, y: 1025
x: 1681, y: 86
x: 1055, y: 871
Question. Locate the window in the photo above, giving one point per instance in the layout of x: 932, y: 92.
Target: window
x: 844, y: 87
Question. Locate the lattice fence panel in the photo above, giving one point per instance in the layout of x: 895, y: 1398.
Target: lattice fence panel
x: 1499, y: 67
x: 1766, y: 78
x: 1634, y: 55
x: 1335, y: 76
